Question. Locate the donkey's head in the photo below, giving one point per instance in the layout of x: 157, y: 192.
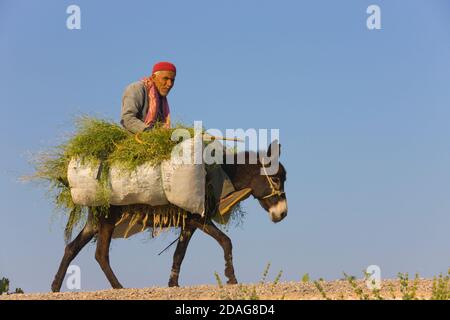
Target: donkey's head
x: 268, y: 187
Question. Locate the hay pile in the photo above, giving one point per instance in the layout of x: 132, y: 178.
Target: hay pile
x: 100, y: 140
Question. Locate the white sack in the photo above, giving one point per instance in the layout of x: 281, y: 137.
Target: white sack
x: 140, y: 186
x: 83, y: 182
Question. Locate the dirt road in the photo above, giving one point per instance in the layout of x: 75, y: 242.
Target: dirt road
x: 340, y: 289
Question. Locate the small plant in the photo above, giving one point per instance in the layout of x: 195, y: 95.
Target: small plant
x: 248, y: 292
x: 224, y: 295
x: 218, y: 280
x: 4, y: 287
x: 244, y: 293
x: 265, y: 273
x: 319, y: 287
x: 392, y: 291
x: 441, y: 288
x: 277, y: 278
x: 253, y: 295
x: 358, y: 291
x: 408, y: 292
x: 276, y: 281
x: 305, y: 278
x: 376, y: 291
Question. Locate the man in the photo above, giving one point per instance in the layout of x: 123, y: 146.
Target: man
x: 145, y: 102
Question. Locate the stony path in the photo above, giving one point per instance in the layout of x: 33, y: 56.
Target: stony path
x: 285, y: 290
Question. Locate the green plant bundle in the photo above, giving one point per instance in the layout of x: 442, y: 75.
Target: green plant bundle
x: 152, y: 146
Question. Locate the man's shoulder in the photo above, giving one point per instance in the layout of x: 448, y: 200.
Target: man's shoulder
x: 135, y: 87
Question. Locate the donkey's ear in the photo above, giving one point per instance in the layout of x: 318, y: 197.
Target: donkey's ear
x: 273, y: 145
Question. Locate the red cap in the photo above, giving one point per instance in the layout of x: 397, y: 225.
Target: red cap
x: 164, y: 66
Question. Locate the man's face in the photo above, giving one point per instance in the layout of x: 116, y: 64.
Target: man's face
x: 163, y: 81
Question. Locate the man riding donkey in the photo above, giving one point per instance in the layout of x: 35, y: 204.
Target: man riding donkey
x: 144, y: 104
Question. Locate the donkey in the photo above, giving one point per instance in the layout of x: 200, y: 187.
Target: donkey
x: 267, y: 189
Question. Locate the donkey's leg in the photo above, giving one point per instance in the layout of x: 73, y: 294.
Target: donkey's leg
x: 71, y: 251
x: 105, y: 231
x: 180, y: 251
x: 210, y: 228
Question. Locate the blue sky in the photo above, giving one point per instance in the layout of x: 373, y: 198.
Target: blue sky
x: 363, y: 118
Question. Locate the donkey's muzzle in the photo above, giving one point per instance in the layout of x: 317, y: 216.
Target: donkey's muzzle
x: 278, y: 211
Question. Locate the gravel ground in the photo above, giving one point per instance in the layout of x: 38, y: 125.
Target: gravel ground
x: 284, y: 290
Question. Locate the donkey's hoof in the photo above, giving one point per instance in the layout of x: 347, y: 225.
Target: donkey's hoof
x: 232, y: 281
x: 55, y: 287
x: 173, y: 284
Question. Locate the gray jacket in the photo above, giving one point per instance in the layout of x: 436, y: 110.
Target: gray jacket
x: 135, y: 108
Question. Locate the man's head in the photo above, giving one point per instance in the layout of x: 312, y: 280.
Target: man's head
x: 163, y: 76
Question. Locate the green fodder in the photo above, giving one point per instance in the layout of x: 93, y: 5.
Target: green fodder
x: 95, y: 139
x: 237, y: 216
x: 152, y: 146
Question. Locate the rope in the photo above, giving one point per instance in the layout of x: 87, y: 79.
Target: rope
x: 275, y: 192
x: 138, y: 139
x: 170, y: 244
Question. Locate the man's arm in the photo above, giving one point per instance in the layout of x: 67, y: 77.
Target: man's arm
x: 132, y: 105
